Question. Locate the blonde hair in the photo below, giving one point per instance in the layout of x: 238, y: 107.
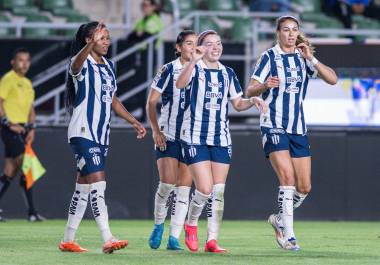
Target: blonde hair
x: 301, y: 38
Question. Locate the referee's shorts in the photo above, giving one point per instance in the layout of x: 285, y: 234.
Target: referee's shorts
x: 14, y: 143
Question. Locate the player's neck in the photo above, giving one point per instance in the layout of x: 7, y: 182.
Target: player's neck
x: 98, y: 58
x: 288, y: 49
x: 183, y: 61
x: 211, y: 65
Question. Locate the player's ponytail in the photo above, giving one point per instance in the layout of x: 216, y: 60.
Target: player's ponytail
x: 79, y: 41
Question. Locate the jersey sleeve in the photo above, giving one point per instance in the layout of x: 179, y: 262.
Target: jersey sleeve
x: 311, y: 71
x: 5, y: 87
x: 161, y: 80
x: 234, y: 91
x: 262, y: 69
x: 81, y: 74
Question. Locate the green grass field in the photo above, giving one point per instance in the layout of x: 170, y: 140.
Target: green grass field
x: 248, y: 242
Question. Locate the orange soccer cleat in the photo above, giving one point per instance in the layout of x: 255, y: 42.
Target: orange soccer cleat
x: 212, y: 246
x: 114, y: 244
x: 71, y: 247
x: 191, y: 237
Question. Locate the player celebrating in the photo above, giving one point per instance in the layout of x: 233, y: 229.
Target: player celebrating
x: 91, y: 89
x: 205, y: 132
x: 166, y: 136
x: 281, y: 77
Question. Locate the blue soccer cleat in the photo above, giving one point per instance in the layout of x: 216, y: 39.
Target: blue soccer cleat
x: 173, y: 244
x: 156, y: 236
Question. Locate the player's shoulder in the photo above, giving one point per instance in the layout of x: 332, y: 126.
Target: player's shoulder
x: 8, y: 76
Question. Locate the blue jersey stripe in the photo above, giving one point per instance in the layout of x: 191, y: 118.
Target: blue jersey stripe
x: 302, y: 119
x: 194, y: 99
x: 298, y: 94
x: 111, y: 95
x: 91, y: 99
x: 262, y: 64
x: 275, y: 90
x: 286, y: 95
x: 206, y: 112
x: 80, y: 94
x: 217, y: 114
x: 103, y: 93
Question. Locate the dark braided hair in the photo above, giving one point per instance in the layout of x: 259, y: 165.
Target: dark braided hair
x: 181, y: 38
x: 79, y: 41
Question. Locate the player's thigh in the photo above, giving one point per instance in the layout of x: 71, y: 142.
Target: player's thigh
x: 167, y: 169
x: 302, y: 168
x: 202, y: 174
x: 10, y: 167
x: 184, y: 175
x: 219, y: 172
x: 282, y: 165
x: 91, y: 177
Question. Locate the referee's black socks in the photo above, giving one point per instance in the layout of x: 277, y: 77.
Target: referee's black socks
x: 28, y: 195
x: 5, y: 181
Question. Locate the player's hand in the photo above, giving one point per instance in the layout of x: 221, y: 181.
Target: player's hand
x: 159, y: 140
x: 198, y: 53
x: 98, y: 33
x: 272, y: 81
x: 305, y: 51
x: 259, y: 103
x: 30, y: 137
x: 17, y: 128
x: 139, y: 129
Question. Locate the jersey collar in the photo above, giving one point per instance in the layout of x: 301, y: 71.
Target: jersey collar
x: 92, y: 60
x: 280, y: 51
x: 204, y: 66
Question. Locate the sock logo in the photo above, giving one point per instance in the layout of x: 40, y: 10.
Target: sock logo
x: 280, y: 201
x: 94, y: 203
x: 74, y: 203
x: 209, y: 208
x: 172, y: 201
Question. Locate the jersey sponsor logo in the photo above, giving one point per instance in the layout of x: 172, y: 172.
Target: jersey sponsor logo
x: 275, y: 139
x: 96, y: 160
x: 107, y: 77
x: 292, y: 89
x: 293, y: 79
x: 106, y: 99
x: 182, y: 106
x: 277, y: 130
x: 108, y: 88
x: 212, y: 106
x: 214, y: 85
x: 192, y: 151
x: 217, y: 95
x: 293, y: 69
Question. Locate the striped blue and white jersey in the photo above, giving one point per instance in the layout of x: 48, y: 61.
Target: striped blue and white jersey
x: 173, y: 99
x: 286, y: 101
x: 95, y: 86
x: 206, y: 118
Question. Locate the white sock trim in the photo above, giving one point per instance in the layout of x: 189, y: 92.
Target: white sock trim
x: 215, y: 211
x: 179, y: 210
x: 160, y: 202
x: 196, y: 207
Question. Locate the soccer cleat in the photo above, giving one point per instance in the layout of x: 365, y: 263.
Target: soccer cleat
x: 191, y: 237
x: 173, y: 244
x: 156, y: 236
x: 35, y: 217
x: 291, y: 244
x: 71, y: 247
x: 114, y: 244
x: 212, y: 246
x: 278, y: 229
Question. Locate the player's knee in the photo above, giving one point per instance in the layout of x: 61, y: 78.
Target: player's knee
x: 305, y: 189
x: 205, y: 190
x: 287, y: 178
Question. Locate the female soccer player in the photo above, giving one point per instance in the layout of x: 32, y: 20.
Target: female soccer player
x: 205, y: 132
x: 166, y: 136
x: 281, y: 76
x: 91, y: 89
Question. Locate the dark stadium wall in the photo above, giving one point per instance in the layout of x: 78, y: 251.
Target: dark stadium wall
x: 346, y: 171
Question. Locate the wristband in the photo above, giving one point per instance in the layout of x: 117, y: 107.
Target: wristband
x: 314, y: 61
x: 4, y: 121
x: 30, y: 125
